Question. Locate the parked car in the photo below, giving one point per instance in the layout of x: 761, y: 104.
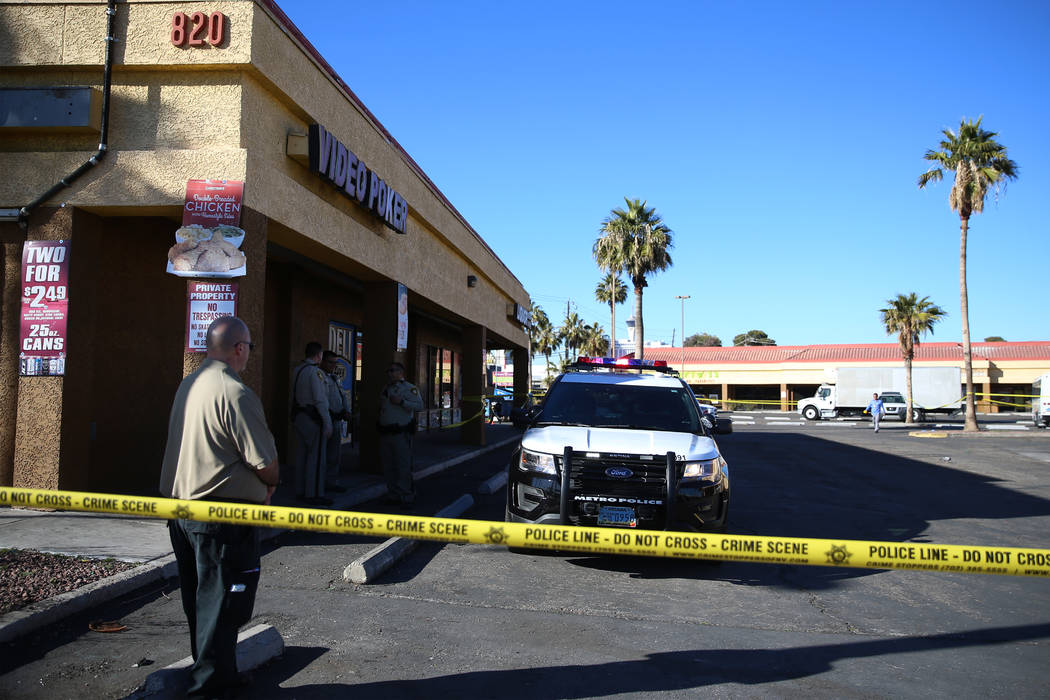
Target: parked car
x: 721, y: 425
x: 618, y: 443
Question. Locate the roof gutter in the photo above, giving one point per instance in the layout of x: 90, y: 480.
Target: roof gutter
x: 103, y: 145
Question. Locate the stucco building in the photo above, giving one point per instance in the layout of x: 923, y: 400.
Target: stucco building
x: 341, y: 228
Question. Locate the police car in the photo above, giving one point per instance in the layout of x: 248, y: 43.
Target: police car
x: 618, y: 443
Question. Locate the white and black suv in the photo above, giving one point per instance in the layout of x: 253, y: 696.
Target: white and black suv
x: 618, y: 443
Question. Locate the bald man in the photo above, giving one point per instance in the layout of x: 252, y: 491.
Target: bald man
x: 219, y: 449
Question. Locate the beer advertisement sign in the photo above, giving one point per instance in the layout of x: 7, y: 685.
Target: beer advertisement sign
x: 45, y: 307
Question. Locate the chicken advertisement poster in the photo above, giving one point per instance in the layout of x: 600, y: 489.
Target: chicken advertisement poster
x: 209, y: 240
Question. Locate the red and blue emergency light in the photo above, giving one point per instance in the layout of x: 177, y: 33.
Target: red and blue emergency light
x: 629, y: 362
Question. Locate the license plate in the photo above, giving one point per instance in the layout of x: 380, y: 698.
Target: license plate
x: 617, y: 516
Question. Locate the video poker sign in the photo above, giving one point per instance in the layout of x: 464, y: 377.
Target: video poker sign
x: 333, y: 161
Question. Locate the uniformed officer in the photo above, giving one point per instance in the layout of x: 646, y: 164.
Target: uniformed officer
x: 339, y: 409
x: 397, y: 412
x: 313, y: 427
x: 218, y: 449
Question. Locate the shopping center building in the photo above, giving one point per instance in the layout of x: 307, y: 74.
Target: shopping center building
x: 222, y: 110
x: 776, y: 377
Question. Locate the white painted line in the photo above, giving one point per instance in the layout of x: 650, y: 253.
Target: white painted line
x: 1002, y: 426
x: 777, y: 417
x: 834, y: 424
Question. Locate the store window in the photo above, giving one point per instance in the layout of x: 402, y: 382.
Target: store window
x: 345, y: 341
x: 443, y: 388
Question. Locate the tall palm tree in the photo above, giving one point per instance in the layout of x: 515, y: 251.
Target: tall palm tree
x: 595, y: 342
x: 909, y: 317
x: 612, y: 291
x: 636, y: 241
x: 545, y: 339
x: 979, y: 162
x: 539, y: 321
x: 572, y: 333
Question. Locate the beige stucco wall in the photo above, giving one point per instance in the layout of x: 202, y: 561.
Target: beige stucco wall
x: 226, y: 111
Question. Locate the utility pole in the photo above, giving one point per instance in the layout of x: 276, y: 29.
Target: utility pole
x: 683, y: 298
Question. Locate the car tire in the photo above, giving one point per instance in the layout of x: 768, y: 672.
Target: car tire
x: 811, y: 413
x: 918, y: 415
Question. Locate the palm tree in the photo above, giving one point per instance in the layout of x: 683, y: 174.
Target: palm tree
x: 909, y: 317
x: 539, y: 321
x: 545, y: 339
x: 572, y: 333
x: 979, y: 162
x: 595, y: 342
x: 612, y: 291
x: 635, y: 241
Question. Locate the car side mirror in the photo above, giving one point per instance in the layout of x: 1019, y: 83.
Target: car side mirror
x: 707, y: 422
x: 521, y: 417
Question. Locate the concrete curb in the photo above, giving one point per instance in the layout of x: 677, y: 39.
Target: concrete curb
x: 45, y: 612
x: 494, y: 483
x: 32, y: 617
x: 375, y: 563
x: 255, y: 647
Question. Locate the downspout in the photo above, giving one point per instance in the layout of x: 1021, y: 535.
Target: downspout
x: 107, y: 80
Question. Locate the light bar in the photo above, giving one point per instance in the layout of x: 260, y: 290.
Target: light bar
x: 620, y: 362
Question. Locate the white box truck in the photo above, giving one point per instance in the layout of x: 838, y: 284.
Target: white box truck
x: 1041, y: 401
x: 936, y: 390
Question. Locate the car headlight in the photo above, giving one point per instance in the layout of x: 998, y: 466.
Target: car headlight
x: 703, y: 469
x: 537, y: 462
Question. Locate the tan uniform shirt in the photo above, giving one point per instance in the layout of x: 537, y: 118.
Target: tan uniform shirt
x: 217, y: 438
x: 337, y: 402
x: 309, y: 389
x: 401, y: 414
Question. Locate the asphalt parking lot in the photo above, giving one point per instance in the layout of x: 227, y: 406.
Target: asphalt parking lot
x: 481, y: 621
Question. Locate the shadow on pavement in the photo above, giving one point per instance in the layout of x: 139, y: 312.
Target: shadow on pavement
x: 661, y: 672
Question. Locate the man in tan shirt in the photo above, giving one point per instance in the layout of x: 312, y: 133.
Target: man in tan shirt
x: 219, y: 449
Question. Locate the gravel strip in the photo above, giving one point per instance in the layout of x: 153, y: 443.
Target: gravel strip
x: 27, y: 576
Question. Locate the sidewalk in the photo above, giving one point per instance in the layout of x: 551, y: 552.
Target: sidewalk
x: 145, y: 540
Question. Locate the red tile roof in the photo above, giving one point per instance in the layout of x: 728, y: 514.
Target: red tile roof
x: 867, y: 352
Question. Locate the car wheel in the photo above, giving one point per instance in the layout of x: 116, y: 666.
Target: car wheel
x: 811, y: 413
x: 918, y: 415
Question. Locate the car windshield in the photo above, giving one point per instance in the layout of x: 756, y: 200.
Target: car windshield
x: 892, y: 398
x: 621, y: 406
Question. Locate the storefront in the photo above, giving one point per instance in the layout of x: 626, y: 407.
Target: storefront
x: 776, y: 377
x: 344, y: 239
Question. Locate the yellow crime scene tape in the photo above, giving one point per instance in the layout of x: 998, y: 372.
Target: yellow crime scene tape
x: 1009, y: 561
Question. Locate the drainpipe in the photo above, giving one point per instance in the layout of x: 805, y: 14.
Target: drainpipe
x: 68, y: 180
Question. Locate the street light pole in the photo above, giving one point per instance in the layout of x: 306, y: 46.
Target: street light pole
x: 683, y: 298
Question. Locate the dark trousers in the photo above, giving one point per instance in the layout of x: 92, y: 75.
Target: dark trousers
x: 218, y: 574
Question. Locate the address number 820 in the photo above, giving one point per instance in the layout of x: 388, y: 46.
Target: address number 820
x: 198, y: 28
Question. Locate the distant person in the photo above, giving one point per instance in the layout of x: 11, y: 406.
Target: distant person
x: 876, y: 409
x: 397, y: 423
x: 339, y: 410
x: 218, y: 449
x: 313, y: 427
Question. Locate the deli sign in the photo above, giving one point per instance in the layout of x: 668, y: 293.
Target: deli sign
x: 333, y: 161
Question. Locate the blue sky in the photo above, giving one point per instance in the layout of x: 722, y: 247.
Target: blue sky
x: 781, y: 142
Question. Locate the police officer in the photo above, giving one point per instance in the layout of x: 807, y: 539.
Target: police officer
x: 397, y: 411
x: 339, y: 410
x: 313, y: 427
x: 218, y: 449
